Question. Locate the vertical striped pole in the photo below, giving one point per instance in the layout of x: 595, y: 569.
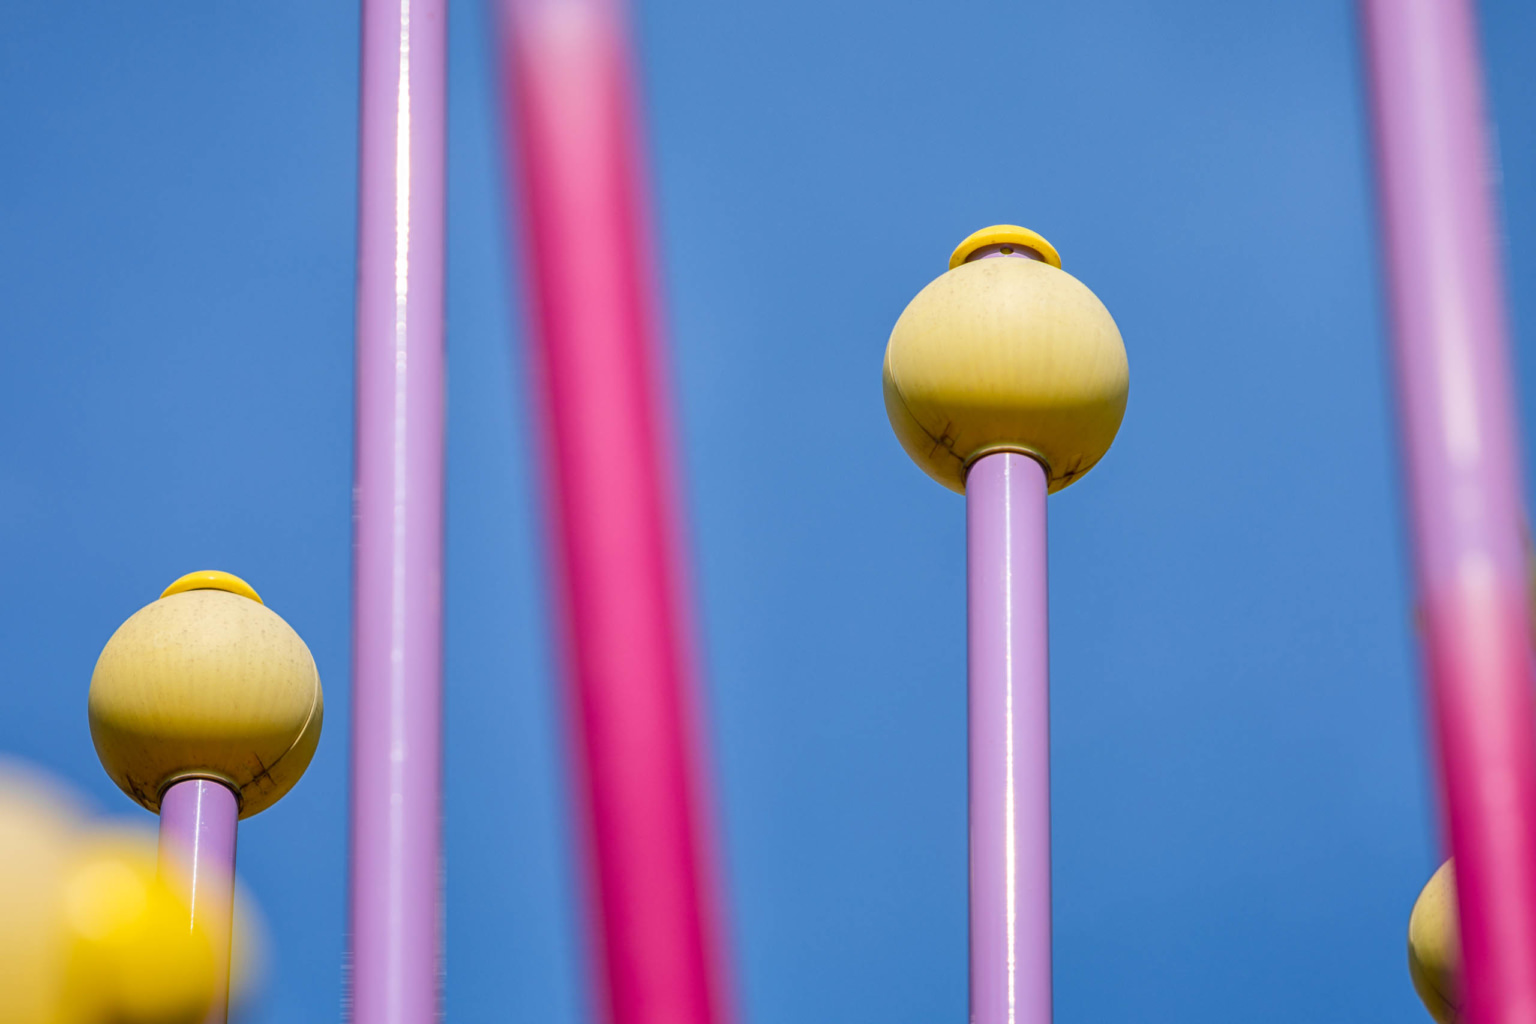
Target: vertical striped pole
x: 398, y: 518
x: 613, y: 514
x: 1456, y: 407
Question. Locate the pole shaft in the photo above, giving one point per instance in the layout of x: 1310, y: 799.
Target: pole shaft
x: 198, y: 821
x: 398, y: 518
x: 1458, y: 427
x: 613, y: 514
x: 1010, y: 759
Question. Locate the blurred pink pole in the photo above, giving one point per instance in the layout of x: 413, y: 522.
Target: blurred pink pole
x: 613, y: 514
x: 198, y: 822
x: 397, y: 597
x: 1455, y: 397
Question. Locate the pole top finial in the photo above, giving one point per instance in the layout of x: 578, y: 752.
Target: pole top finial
x: 196, y: 685
x: 213, y: 579
x: 1005, y: 235
x: 1010, y: 354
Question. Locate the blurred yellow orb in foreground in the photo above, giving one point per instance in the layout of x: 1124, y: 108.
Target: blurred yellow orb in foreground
x: 1434, y: 947
x: 89, y: 934
x: 1006, y: 354
x: 206, y: 682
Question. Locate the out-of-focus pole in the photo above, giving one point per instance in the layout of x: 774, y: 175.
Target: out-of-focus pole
x: 397, y: 596
x: 613, y: 514
x: 198, y: 820
x: 1455, y: 398
x: 1010, y: 741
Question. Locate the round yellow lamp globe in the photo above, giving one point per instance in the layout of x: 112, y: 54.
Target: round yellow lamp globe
x: 208, y: 683
x: 1434, y: 947
x: 1006, y: 354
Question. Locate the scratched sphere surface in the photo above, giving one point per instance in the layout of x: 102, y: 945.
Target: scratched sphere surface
x: 1005, y: 353
x: 206, y: 683
x: 1434, y: 947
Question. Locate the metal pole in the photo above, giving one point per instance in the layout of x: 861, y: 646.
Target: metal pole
x: 1463, y: 472
x: 397, y: 596
x: 613, y: 515
x: 1010, y: 737
x: 198, y: 820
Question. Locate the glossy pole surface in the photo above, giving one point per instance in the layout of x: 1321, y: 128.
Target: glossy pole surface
x: 1010, y: 741
x: 398, y: 527
x: 198, y: 820
x: 1458, y: 428
x: 620, y: 574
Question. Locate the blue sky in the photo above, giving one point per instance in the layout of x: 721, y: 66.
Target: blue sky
x: 1242, y: 809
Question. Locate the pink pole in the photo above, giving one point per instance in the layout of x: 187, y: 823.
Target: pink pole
x: 613, y: 513
x: 1458, y: 426
x: 1010, y: 741
x: 398, y: 519
x: 198, y: 819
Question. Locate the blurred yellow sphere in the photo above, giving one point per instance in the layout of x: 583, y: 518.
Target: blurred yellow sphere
x: 133, y: 959
x: 206, y: 683
x: 1434, y: 947
x: 1006, y: 354
x: 89, y: 933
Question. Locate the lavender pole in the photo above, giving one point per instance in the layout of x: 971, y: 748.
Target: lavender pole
x: 197, y: 848
x: 1010, y: 737
x: 397, y: 596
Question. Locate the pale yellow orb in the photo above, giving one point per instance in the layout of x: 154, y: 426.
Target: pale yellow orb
x: 1434, y: 947
x: 206, y: 683
x: 1006, y: 354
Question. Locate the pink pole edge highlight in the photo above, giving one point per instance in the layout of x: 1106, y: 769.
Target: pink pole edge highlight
x: 613, y: 515
x: 1456, y: 406
x: 396, y: 842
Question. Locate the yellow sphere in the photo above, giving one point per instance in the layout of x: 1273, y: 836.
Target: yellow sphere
x: 1434, y: 947
x: 1006, y: 354
x: 206, y: 683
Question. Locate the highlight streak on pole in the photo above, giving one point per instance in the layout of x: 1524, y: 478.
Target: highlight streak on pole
x: 198, y: 823
x: 397, y: 597
x: 618, y: 559
x: 1010, y: 741
x: 1458, y: 427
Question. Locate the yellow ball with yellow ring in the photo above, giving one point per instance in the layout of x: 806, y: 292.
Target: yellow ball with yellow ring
x: 206, y: 682
x: 1006, y: 354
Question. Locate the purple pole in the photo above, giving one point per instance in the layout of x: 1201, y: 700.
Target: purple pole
x: 397, y: 597
x: 1457, y: 412
x: 1010, y: 752
x: 197, y: 848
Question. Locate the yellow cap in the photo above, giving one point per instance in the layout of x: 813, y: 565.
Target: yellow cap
x: 213, y: 579
x: 1002, y: 234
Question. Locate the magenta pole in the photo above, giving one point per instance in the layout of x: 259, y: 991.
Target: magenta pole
x: 624, y: 611
x: 1010, y: 741
x: 396, y: 914
x: 198, y: 820
x: 1456, y: 406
